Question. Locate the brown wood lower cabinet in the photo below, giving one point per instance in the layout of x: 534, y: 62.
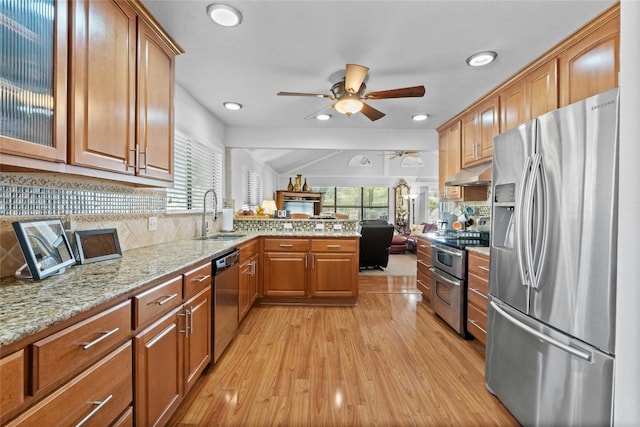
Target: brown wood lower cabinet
x: 97, y: 396
x: 310, y: 268
x: 197, y: 348
x: 423, y: 264
x: 249, y: 273
x: 158, y: 371
x: 477, y: 295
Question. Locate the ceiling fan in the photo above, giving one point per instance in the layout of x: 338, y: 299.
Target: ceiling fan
x: 349, y: 94
x: 400, y: 153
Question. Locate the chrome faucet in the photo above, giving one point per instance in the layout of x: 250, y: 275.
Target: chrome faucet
x: 205, y: 223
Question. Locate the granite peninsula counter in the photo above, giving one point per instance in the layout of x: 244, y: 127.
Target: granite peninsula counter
x: 27, y: 307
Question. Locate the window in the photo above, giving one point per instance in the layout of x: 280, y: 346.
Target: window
x: 357, y: 202
x: 197, y: 168
x: 251, y: 190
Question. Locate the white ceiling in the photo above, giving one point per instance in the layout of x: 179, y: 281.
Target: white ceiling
x: 303, y: 46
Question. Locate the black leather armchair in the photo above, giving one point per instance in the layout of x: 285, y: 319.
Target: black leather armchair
x: 375, y: 243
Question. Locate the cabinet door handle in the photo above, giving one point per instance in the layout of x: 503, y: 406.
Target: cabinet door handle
x: 188, y: 322
x: 475, y: 323
x: 203, y: 278
x: 167, y: 299
x: 142, y: 153
x: 482, y: 267
x: 99, y: 406
x: 423, y: 263
x: 305, y: 261
x: 475, y: 291
x: 105, y: 334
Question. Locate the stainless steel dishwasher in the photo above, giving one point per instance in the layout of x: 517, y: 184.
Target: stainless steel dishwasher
x: 225, y: 301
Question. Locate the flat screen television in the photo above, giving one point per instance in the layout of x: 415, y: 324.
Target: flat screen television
x: 45, y: 247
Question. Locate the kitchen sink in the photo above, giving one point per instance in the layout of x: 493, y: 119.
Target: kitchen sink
x: 222, y: 237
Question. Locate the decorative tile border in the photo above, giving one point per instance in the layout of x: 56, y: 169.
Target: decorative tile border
x: 28, y: 195
x: 298, y: 225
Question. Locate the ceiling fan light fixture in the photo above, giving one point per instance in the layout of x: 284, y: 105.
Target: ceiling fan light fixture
x: 233, y: 106
x: 419, y: 117
x: 348, y: 104
x: 224, y: 15
x: 323, y: 117
x: 481, y: 58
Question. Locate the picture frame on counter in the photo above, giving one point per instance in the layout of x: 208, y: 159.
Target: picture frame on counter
x: 97, y: 245
x: 45, y: 247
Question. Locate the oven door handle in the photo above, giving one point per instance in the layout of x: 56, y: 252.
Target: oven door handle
x: 444, y: 279
x: 446, y: 251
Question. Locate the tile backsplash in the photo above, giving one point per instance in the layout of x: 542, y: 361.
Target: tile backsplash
x: 87, y: 204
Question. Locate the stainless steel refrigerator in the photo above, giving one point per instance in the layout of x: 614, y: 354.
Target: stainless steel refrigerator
x: 550, y: 353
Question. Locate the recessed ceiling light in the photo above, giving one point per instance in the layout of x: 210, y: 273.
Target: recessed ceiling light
x: 419, y: 117
x: 232, y: 106
x: 481, y: 58
x: 225, y: 15
x: 323, y: 117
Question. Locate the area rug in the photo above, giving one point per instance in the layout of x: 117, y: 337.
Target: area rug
x: 399, y: 265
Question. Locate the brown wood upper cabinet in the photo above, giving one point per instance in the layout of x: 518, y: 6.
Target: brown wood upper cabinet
x: 122, y: 74
x: 591, y: 65
x: 479, y: 126
x: 534, y: 94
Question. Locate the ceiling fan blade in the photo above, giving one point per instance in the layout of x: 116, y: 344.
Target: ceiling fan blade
x: 406, y: 92
x: 313, y: 116
x: 354, y: 76
x: 317, y: 95
x: 371, y: 113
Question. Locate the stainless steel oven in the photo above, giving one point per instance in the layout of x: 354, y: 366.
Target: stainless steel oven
x: 450, y: 260
x: 448, y: 284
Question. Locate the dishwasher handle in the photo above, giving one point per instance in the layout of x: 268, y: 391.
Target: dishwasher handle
x: 225, y: 262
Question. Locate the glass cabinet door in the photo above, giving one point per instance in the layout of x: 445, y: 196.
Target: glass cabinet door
x: 33, y: 75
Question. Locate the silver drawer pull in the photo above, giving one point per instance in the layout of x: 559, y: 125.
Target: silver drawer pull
x: 105, y: 334
x: 423, y: 263
x: 286, y: 245
x: 96, y: 409
x: 333, y: 246
x: 482, y: 267
x: 475, y: 291
x: 203, y: 278
x: 424, y: 246
x: 167, y: 299
x: 475, y: 323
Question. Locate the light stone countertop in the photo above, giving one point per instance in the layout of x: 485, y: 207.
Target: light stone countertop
x: 27, y: 307
x: 483, y: 251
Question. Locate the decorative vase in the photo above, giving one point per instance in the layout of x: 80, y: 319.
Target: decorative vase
x: 290, y: 186
x: 298, y: 185
x: 305, y: 187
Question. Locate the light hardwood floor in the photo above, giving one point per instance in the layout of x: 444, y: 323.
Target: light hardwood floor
x: 388, y: 361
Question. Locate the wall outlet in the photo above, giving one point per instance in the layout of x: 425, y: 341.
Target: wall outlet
x: 320, y: 226
x: 337, y: 226
x: 153, y: 223
x: 288, y: 226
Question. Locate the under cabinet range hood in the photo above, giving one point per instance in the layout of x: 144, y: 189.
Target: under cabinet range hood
x: 479, y: 175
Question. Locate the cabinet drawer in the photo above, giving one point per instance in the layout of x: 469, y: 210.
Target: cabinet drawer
x: 157, y: 301
x: 76, y: 346
x: 423, y: 265
x: 197, y: 279
x: 11, y: 381
x: 423, y: 248
x: 423, y: 281
x: 478, y: 264
x: 98, y: 395
x: 334, y: 245
x: 477, y: 298
x: 248, y: 249
x: 480, y: 284
x: 286, y: 245
x: 477, y: 323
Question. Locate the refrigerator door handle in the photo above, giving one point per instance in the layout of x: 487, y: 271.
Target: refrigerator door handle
x: 538, y: 256
x: 520, y: 220
x: 528, y: 211
x: 585, y: 355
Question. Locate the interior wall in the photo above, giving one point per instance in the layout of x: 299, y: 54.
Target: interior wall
x: 627, y: 373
